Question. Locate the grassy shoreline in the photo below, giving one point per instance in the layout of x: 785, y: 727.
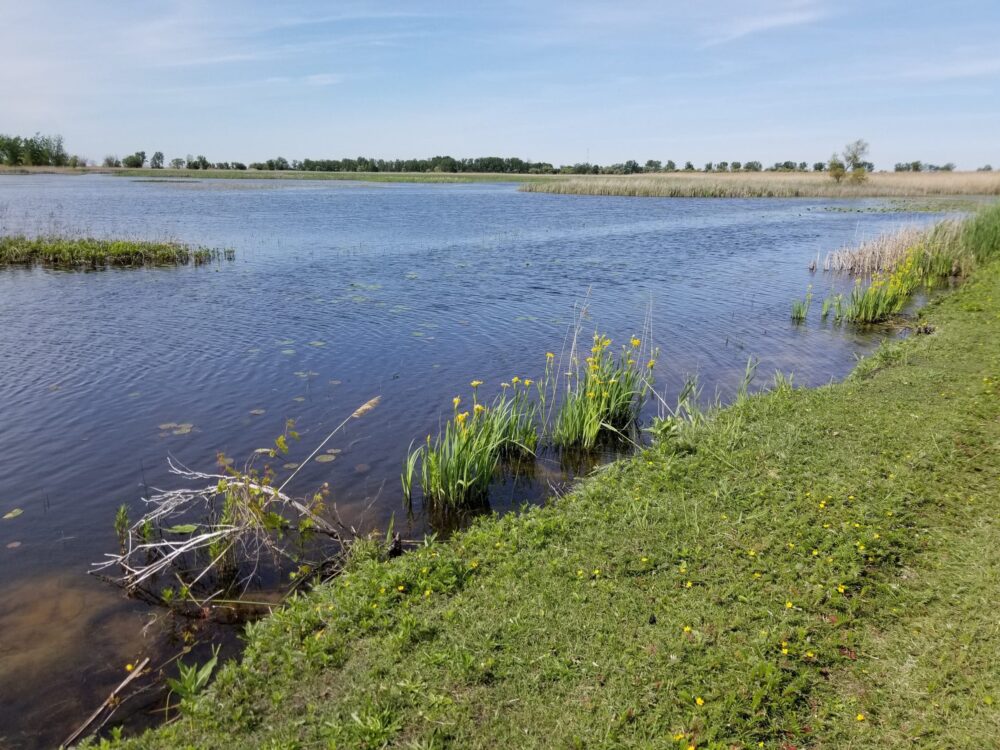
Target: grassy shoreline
x: 754, y: 582
x: 773, y: 185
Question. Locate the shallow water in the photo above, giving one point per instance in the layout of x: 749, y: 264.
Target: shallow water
x: 340, y: 292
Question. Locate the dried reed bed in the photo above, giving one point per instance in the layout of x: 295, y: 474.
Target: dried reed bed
x: 890, y: 250
x: 772, y: 185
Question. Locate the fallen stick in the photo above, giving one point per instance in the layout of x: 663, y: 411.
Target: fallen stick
x: 93, y: 717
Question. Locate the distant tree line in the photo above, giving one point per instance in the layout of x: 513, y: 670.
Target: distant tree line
x: 48, y: 150
x: 36, y: 151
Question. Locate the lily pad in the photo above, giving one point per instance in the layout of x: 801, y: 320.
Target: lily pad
x: 288, y: 352
x: 362, y: 468
x: 299, y: 399
x: 12, y: 514
x: 182, y: 430
x: 334, y: 451
x: 257, y: 412
x: 167, y: 426
x: 324, y: 458
x: 290, y: 465
x: 317, y: 343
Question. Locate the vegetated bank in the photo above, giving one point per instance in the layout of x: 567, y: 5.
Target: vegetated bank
x: 67, y: 252
x: 773, y: 185
x: 805, y: 568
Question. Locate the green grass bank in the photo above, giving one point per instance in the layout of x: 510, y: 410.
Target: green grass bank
x: 812, y: 568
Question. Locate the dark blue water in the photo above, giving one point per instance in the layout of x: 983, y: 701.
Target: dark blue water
x: 339, y: 292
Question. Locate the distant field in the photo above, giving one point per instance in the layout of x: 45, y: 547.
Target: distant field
x: 253, y: 174
x: 771, y: 185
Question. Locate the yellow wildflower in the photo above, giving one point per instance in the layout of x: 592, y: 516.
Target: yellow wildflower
x: 635, y: 342
x: 476, y: 383
x: 841, y: 588
x: 456, y: 401
x: 700, y: 701
x: 549, y: 355
x: 478, y: 408
x: 129, y: 667
x: 860, y: 717
x: 789, y: 605
x: 687, y: 628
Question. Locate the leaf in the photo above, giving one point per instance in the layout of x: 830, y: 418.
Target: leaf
x: 12, y: 514
x: 186, y: 528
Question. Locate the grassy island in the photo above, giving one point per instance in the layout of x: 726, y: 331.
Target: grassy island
x: 63, y: 252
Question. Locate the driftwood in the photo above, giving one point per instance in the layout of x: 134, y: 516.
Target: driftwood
x: 242, y: 518
x: 107, y: 701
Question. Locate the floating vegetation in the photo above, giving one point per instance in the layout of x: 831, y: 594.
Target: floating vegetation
x: 257, y: 412
x: 12, y: 514
x: 324, y: 458
x: 288, y: 352
x: 64, y: 252
x: 317, y: 343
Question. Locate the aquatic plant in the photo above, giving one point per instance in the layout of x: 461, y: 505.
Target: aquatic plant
x: 800, y: 307
x: 65, y: 252
x: 603, y: 394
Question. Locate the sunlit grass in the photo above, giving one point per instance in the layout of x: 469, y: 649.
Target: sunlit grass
x: 771, y: 185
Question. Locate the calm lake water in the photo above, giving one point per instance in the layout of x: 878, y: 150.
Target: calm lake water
x: 339, y: 292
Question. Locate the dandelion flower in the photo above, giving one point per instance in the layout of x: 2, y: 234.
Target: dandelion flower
x: 860, y: 717
x: 789, y: 605
x: 688, y: 585
x: 687, y: 628
x: 841, y: 588
x: 635, y: 342
x: 700, y: 701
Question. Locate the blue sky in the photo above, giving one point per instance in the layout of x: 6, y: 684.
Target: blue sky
x: 557, y: 81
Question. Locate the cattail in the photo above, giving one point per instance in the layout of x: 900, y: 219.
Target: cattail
x: 366, y: 407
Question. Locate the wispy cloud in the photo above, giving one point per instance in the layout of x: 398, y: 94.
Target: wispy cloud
x: 791, y: 14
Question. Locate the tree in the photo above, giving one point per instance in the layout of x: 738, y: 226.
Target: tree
x: 708, y: 166
x: 134, y: 161
x: 112, y: 161
x: 157, y: 161
x: 752, y: 166
x: 653, y: 165
x: 855, y: 153
x: 985, y: 168
x: 670, y: 166
x: 177, y: 163
x: 836, y: 168
x: 722, y: 166
x: 631, y: 167
x: 819, y: 166
x: 737, y: 166
x: 688, y: 166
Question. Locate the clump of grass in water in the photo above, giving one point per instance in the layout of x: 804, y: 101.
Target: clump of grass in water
x: 604, y: 395
x: 800, y: 307
x: 457, y: 466
x: 64, y: 252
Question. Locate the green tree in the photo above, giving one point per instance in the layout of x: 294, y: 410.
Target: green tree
x: 135, y: 161
x: 157, y: 161
x: 177, y: 163
x: 835, y: 168
x: 855, y: 154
